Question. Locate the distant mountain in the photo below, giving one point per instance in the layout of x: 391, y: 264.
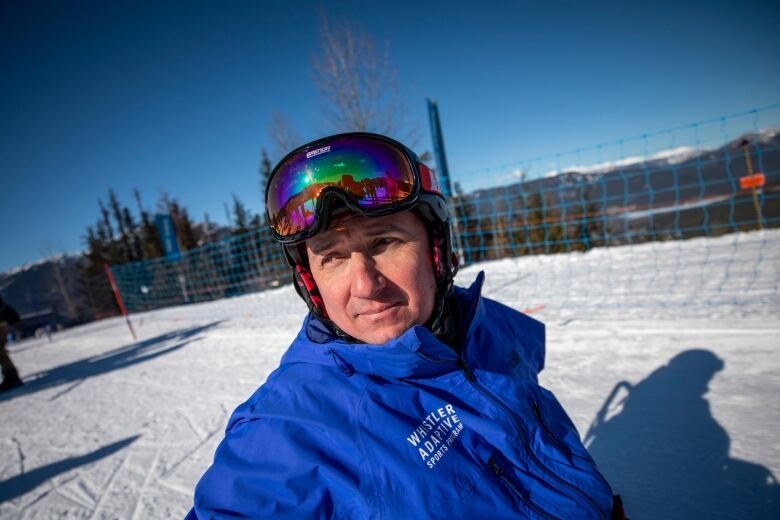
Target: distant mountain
x: 50, y: 291
x: 676, y: 193
x: 54, y: 290
x: 710, y: 167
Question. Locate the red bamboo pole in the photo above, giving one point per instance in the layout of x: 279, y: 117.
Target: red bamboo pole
x: 118, y: 297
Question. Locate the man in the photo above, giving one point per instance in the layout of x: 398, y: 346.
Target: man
x: 8, y: 316
x: 402, y: 396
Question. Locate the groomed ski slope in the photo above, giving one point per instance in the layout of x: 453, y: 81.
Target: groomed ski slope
x: 108, y: 427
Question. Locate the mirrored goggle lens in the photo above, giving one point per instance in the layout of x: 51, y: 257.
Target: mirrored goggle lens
x: 373, y: 173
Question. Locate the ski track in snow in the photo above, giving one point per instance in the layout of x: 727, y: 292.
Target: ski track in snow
x: 111, y: 428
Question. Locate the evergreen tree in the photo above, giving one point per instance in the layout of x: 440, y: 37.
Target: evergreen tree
x: 106, y: 237
x: 96, y: 284
x: 265, y: 172
x: 125, y: 251
x: 107, y: 231
x: 134, y: 238
x: 188, y: 237
x: 593, y: 232
x: 185, y: 231
x: 94, y: 251
x: 151, y: 247
x: 272, y: 266
x: 241, y: 217
x: 554, y: 226
x: 208, y: 231
x: 535, y: 235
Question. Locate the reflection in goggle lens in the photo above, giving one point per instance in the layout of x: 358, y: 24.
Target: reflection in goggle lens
x: 373, y: 173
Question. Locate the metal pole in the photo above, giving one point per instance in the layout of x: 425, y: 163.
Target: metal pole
x: 438, y: 149
x: 443, y: 171
x: 183, y: 285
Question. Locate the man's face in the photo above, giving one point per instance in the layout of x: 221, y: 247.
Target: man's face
x: 375, y: 274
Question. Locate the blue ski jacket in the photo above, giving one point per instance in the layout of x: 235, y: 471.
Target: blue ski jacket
x: 408, y: 429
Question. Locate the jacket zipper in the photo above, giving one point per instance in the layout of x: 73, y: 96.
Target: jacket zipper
x: 548, y: 432
x: 473, y: 380
x: 516, y: 491
x: 554, y: 438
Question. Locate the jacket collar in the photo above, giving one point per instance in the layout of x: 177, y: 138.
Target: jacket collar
x: 415, y: 353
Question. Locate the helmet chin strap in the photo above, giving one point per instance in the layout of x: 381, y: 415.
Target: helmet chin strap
x: 441, y: 322
x: 308, y: 290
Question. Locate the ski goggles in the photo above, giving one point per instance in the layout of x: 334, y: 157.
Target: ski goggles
x: 371, y: 174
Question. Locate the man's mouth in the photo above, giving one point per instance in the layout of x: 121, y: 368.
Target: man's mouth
x: 378, y: 312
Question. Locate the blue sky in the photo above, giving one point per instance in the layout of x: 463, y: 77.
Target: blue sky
x: 178, y: 96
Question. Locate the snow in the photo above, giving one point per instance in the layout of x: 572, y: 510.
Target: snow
x: 108, y: 427
x: 671, y: 156
x: 698, y: 203
x: 59, y: 258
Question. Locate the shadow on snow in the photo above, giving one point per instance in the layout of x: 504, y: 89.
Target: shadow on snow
x: 25, y: 482
x: 123, y: 357
x: 663, y: 451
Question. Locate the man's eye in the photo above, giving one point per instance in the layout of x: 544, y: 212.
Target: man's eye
x: 330, y: 259
x: 383, y: 242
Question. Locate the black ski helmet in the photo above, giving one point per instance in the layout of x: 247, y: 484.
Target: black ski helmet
x: 428, y: 203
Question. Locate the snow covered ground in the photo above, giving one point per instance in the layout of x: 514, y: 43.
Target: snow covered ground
x: 685, y: 333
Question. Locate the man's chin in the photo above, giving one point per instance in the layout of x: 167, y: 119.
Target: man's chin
x: 380, y: 327
x: 379, y: 335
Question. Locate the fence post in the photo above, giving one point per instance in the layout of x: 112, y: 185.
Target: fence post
x: 753, y: 181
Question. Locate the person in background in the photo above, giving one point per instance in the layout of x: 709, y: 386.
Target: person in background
x: 8, y: 318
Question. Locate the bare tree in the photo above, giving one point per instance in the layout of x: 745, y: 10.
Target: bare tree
x: 284, y: 136
x: 359, y: 85
x: 358, y: 82
x: 48, y: 249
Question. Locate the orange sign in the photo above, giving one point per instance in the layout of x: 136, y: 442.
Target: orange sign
x: 752, y: 181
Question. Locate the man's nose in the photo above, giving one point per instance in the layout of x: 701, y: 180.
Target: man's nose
x: 365, y: 279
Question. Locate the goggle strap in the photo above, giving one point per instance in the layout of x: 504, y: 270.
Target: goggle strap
x: 428, y: 180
